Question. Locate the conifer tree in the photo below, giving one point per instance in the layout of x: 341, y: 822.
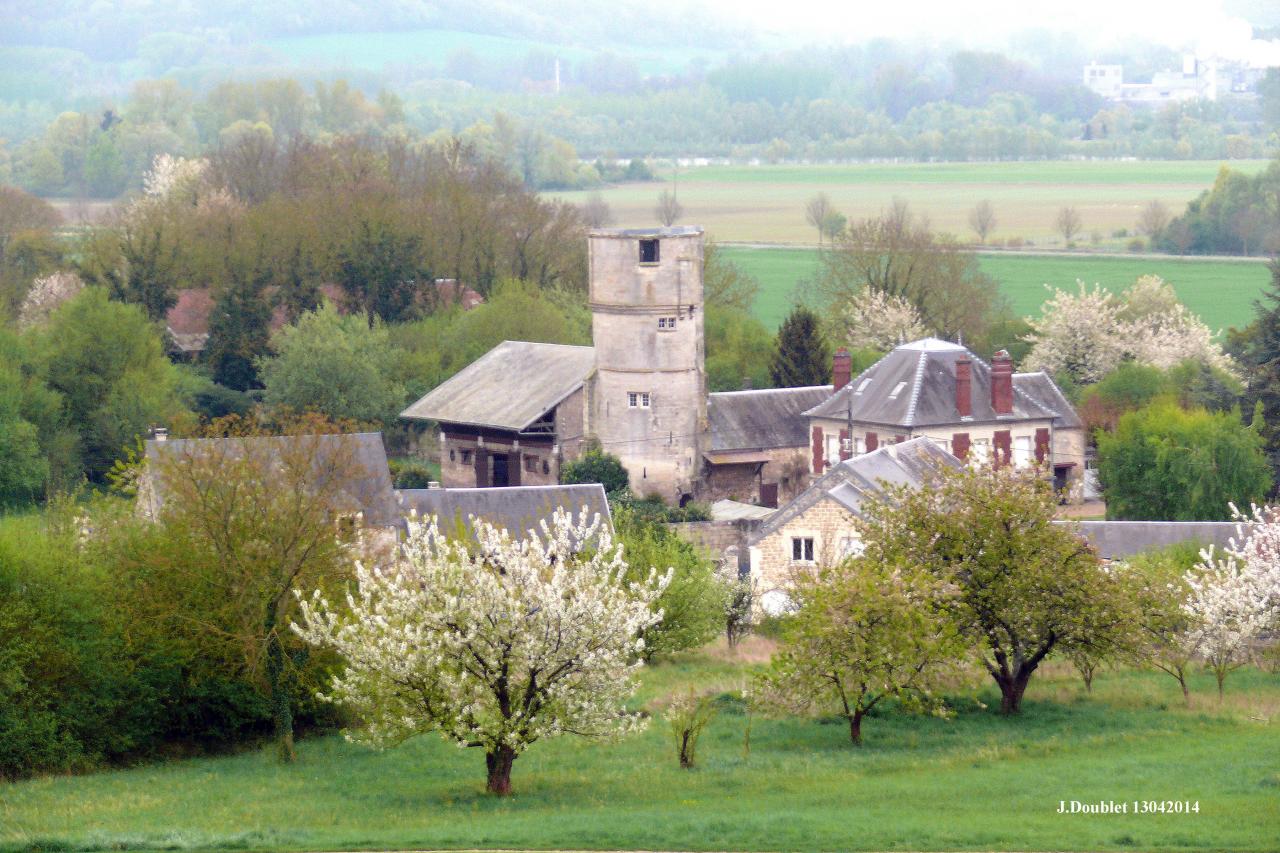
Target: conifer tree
x: 240, y: 329
x: 1262, y: 355
x: 802, y: 356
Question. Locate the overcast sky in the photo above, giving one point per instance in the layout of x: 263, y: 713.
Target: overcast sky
x: 1201, y: 24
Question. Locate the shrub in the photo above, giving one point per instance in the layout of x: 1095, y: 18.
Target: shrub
x: 408, y: 474
x: 596, y: 466
x: 1136, y: 245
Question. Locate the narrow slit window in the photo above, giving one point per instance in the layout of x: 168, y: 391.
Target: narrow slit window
x: 648, y: 251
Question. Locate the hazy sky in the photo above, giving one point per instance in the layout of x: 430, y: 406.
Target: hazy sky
x: 1201, y: 24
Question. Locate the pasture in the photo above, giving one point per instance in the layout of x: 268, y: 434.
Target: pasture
x: 766, y: 203
x: 974, y: 782
x: 1221, y: 292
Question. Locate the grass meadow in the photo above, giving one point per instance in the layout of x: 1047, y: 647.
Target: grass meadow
x: 974, y: 782
x: 1221, y: 292
x: 766, y: 203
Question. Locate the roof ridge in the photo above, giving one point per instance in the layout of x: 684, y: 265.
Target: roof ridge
x: 909, y: 420
x: 547, y: 344
x: 769, y: 390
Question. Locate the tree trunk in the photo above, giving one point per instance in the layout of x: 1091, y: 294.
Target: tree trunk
x: 281, y: 712
x: 499, y: 764
x: 1011, y: 690
x: 1221, y: 676
x: 855, y: 728
x: 1186, y: 694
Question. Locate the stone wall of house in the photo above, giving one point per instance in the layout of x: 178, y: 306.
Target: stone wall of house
x: 828, y: 523
x: 571, y: 428
x: 721, y: 539
x: 537, y: 462
x: 787, y: 468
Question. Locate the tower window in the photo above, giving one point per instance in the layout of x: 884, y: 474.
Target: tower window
x: 648, y: 251
x: 667, y: 324
x: 637, y: 399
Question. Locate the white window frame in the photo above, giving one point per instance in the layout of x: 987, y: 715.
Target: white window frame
x: 800, y: 540
x: 638, y: 400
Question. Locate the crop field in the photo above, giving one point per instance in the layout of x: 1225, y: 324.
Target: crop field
x: 766, y: 203
x: 1221, y: 292
x: 974, y: 782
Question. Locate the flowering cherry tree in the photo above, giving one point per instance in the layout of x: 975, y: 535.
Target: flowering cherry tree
x: 46, y: 294
x: 1234, y: 598
x: 877, y: 320
x: 495, y: 643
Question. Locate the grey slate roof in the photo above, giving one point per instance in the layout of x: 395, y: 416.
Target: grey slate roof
x: 368, y: 491
x: 864, y: 478
x: 763, y: 419
x: 1047, y: 395
x: 1116, y: 540
x: 509, y: 387
x: 923, y: 375
x: 517, y: 508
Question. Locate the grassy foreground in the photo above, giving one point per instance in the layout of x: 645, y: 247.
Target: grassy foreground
x: 976, y: 782
x: 1221, y: 292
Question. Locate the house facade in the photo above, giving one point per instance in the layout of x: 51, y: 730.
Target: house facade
x: 819, y: 527
x: 941, y: 391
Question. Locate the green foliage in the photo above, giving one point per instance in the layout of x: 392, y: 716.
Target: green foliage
x: 1231, y: 217
x: 866, y: 631
x: 693, y: 604
x: 340, y: 366
x: 106, y: 362
x: 438, y: 346
x: 411, y: 474
x: 1025, y: 586
x: 379, y: 269
x: 739, y: 350
x: 802, y: 356
x: 596, y: 466
x: 1171, y: 464
x: 239, y: 330
x: 23, y: 468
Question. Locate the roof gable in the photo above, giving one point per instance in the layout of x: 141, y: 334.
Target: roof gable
x: 509, y: 388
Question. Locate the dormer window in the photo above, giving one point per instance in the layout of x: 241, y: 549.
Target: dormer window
x: 897, y: 389
x: 648, y: 251
x: 862, y: 386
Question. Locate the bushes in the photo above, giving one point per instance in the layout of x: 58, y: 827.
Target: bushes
x: 408, y: 474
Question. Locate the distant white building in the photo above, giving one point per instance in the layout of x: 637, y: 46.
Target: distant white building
x: 1197, y: 79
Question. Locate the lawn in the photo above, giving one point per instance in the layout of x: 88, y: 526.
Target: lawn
x: 975, y: 782
x: 766, y: 203
x: 1221, y: 292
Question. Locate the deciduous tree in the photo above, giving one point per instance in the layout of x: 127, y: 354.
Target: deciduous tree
x: 1068, y: 223
x: 495, y: 644
x: 668, y: 210
x: 1025, y: 586
x: 982, y: 219
x: 817, y: 210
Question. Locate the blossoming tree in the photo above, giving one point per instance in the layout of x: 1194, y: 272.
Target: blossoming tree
x: 494, y: 643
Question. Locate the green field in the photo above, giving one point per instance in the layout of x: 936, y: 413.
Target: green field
x: 1221, y: 292
x: 975, y: 782
x: 766, y: 203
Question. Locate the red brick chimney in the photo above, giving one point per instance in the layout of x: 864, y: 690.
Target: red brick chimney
x: 1002, y: 383
x: 964, y: 386
x: 841, y: 368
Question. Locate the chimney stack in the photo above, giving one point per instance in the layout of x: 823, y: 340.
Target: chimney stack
x: 841, y: 368
x: 1002, y: 383
x: 964, y: 386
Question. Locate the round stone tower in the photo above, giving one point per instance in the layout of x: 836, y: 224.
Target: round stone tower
x: 649, y: 395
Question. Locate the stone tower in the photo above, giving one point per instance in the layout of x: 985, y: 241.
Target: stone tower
x: 648, y: 402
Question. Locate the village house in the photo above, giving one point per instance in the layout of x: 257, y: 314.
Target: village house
x: 820, y: 526
x: 943, y: 392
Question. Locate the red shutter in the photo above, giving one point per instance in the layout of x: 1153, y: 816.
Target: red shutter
x: 1003, y: 446
x: 817, y: 450
x: 960, y: 445
x: 872, y: 442
x: 846, y: 446
x: 898, y: 439
x: 1042, y: 445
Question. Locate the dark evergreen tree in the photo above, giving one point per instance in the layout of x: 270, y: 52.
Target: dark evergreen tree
x: 148, y: 276
x: 379, y: 271
x: 300, y: 290
x: 1259, y: 348
x: 240, y: 328
x: 802, y: 356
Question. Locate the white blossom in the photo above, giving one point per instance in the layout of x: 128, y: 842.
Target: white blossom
x: 873, y: 319
x: 46, y: 294
x: 171, y: 177
x: 495, y: 642
x: 1089, y: 333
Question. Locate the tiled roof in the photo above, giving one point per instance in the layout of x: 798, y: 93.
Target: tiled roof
x: 763, y: 419
x: 509, y: 387
x: 518, y: 509
x: 915, y: 386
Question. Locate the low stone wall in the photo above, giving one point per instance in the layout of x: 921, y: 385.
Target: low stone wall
x: 718, y: 537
